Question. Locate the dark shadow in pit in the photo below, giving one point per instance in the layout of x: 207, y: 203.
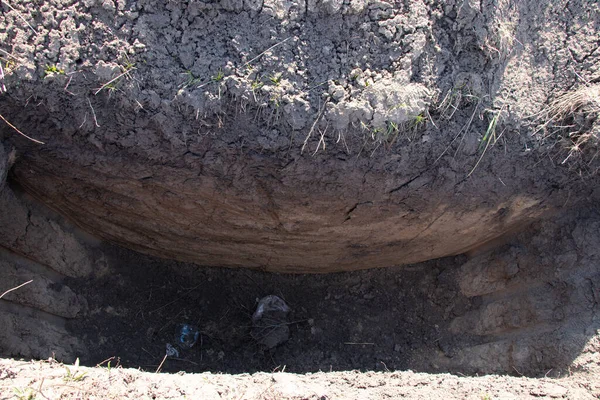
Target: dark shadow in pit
x: 526, y: 307
x: 369, y: 320
x: 520, y: 309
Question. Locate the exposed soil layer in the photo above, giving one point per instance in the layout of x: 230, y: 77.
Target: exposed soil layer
x: 528, y: 306
x: 296, y: 136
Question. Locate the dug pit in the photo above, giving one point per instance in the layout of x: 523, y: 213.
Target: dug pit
x: 416, y: 181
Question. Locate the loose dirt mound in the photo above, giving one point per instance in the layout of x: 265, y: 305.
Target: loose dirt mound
x: 53, y: 380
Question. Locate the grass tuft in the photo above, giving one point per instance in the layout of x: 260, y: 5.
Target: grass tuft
x: 575, y: 118
x: 74, y: 376
x: 219, y: 76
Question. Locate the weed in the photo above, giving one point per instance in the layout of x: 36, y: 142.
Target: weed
x: 490, y: 131
x: 113, y: 84
x: 454, y: 99
x: 276, y: 79
x: 24, y: 394
x: 53, y: 70
x: 489, y: 136
x: 397, y: 106
x: 191, y: 80
x: 392, y: 130
x: 375, y: 132
x: 74, y: 376
x: 418, y: 122
x: 108, y: 365
x: 219, y: 76
x: 363, y: 126
x: 126, y: 63
x: 126, y: 66
x: 256, y: 85
x: 275, y: 99
x: 486, y: 397
x: 10, y: 66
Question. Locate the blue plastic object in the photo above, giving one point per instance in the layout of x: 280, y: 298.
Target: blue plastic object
x: 188, y: 336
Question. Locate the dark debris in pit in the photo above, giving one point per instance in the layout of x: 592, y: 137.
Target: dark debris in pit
x: 368, y: 320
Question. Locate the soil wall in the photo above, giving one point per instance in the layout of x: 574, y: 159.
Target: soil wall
x: 293, y: 136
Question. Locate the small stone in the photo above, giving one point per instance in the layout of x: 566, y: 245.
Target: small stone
x: 270, y: 322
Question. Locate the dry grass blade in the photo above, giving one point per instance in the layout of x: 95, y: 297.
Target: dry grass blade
x: 15, y: 288
x: 264, y: 52
x: 587, y: 97
x: 161, y: 364
x: 573, y: 117
x: 2, y: 87
x: 19, y: 132
x: 314, y: 125
x: 93, y: 114
x: 114, y: 79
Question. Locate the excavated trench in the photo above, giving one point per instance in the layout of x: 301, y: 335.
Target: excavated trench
x: 525, y: 303
x: 374, y: 165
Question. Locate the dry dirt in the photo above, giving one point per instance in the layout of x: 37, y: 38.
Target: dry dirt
x: 52, y: 380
